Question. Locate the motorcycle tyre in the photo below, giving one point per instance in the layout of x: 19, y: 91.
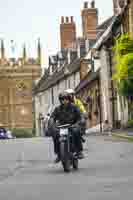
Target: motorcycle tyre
x: 75, y: 163
x: 66, y: 163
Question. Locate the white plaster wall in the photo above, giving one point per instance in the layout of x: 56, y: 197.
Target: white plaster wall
x: 72, y: 82
x: 77, y: 79
x: 36, y: 114
x: 97, y: 64
x: 62, y: 86
x: 124, y: 112
x: 119, y: 108
x: 56, y: 90
x: 105, y: 80
x: 45, y: 101
x: 37, y: 111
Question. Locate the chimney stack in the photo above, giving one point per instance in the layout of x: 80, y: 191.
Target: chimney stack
x: 62, y: 20
x: 67, y: 32
x: 89, y: 21
x: 118, y: 5
x: 93, y: 4
x: 24, y: 53
x: 67, y: 19
x: 115, y: 7
x: 85, y: 4
x: 39, y: 52
x: 71, y: 19
x: 2, y: 50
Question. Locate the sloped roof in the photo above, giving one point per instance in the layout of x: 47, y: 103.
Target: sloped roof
x: 104, y: 25
x: 114, y: 24
x: 105, y: 34
x: 50, y: 81
x: 88, y: 79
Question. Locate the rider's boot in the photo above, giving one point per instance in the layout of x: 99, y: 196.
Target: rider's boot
x: 57, y: 160
x: 80, y: 155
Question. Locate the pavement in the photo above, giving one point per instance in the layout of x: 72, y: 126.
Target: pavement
x: 124, y: 133
x: 27, y: 171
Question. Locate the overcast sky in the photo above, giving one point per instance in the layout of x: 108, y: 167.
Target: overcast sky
x: 25, y: 20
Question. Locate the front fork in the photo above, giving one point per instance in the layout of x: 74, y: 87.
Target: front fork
x: 65, y: 146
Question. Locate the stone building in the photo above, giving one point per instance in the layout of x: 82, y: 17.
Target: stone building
x: 97, y: 88
x: 64, y: 68
x: 16, y: 81
x: 94, y: 73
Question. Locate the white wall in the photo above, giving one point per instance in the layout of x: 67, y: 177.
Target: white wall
x: 105, y: 85
x: 97, y: 64
x: 36, y: 114
x: 77, y: 79
x: 121, y: 110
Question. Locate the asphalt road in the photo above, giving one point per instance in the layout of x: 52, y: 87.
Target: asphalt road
x: 27, y: 171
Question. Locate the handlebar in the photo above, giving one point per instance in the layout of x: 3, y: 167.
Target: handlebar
x: 64, y: 126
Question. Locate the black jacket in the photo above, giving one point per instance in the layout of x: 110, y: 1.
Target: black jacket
x: 68, y: 114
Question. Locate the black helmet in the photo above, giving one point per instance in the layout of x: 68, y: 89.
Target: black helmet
x: 63, y: 95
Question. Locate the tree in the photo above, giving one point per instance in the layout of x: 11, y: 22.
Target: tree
x: 124, y: 68
x: 124, y: 65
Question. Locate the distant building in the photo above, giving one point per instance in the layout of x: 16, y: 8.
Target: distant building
x: 17, y: 77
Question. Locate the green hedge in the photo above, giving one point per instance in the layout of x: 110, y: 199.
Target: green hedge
x: 130, y: 123
x: 22, y: 133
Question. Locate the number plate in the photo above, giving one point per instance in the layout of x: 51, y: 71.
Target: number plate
x: 63, y: 131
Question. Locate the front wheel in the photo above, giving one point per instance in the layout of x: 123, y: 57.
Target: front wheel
x: 65, y: 157
x: 66, y: 165
x: 75, y: 163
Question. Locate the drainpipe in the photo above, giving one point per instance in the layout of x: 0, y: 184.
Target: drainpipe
x: 100, y: 105
x: 99, y: 91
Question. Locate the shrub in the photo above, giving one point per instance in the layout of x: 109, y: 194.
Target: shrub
x: 22, y: 133
x: 124, y: 65
x: 130, y: 123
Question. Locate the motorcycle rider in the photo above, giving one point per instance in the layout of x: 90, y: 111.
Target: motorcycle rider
x: 66, y: 113
x: 76, y: 100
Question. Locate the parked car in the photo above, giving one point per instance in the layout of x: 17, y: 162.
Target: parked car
x: 4, y: 133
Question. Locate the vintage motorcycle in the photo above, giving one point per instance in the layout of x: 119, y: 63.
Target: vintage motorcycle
x: 68, y: 153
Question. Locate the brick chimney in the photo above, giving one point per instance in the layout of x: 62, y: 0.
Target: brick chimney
x: 89, y: 20
x: 67, y: 32
x: 118, y: 5
x: 115, y: 7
